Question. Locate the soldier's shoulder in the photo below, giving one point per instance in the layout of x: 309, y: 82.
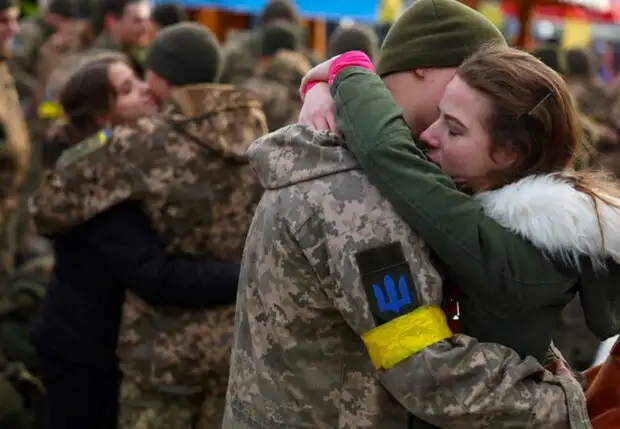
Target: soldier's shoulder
x: 139, y: 136
x: 83, y: 149
x: 301, y: 134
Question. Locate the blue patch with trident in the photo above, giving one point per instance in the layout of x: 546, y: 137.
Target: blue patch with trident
x: 387, y: 280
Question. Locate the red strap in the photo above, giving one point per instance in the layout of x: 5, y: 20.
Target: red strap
x: 451, y: 306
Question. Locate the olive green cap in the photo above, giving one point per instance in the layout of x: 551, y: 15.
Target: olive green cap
x: 184, y: 54
x: 435, y: 34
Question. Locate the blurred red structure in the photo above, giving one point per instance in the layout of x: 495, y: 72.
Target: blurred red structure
x: 563, y: 10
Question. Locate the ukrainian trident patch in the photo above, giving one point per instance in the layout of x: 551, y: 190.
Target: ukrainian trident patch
x: 387, y: 280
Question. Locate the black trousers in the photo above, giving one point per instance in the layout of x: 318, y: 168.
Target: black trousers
x: 79, y: 396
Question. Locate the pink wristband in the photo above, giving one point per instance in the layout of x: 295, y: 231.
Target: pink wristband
x: 350, y: 59
x: 308, y: 87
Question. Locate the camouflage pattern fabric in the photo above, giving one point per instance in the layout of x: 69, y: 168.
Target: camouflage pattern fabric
x: 242, y: 50
x: 298, y: 360
x: 14, y: 155
x: 32, y: 34
x: 143, y: 409
x: 190, y: 169
x: 276, y: 85
x: 239, y: 59
x: 151, y: 409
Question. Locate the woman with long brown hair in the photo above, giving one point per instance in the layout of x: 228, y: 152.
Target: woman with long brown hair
x: 506, y: 133
x: 95, y: 263
x: 101, y: 93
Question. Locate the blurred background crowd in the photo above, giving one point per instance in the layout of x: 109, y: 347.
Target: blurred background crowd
x: 267, y: 47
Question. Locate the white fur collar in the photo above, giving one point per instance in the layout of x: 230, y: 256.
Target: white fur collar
x: 552, y: 215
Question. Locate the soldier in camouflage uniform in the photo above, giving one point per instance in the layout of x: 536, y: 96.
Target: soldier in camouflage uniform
x: 30, y: 67
x: 14, y: 151
x: 33, y: 33
x: 18, y: 388
x: 278, y: 75
x: 242, y: 50
x: 311, y: 306
x: 188, y: 167
x: 126, y: 26
x: 298, y: 358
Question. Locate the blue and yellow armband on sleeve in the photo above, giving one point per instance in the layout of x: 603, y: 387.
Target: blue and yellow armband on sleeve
x: 401, y: 338
x: 404, y: 328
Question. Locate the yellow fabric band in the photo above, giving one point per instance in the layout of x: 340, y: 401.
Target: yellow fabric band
x: 49, y: 110
x: 395, y: 341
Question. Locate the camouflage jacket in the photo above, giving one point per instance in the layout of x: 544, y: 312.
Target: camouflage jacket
x: 297, y: 358
x: 276, y: 85
x: 14, y: 159
x: 189, y: 168
x: 239, y: 57
x: 32, y: 34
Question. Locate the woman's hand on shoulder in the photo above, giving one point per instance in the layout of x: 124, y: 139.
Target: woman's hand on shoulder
x: 317, y: 110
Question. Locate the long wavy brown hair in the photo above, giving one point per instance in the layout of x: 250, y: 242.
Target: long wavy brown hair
x: 533, y: 114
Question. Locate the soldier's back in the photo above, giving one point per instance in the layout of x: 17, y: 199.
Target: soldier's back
x: 276, y: 85
x: 280, y: 105
x: 297, y: 359
x: 206, y: 129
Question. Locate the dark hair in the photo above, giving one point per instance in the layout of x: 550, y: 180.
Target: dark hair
x: 279, y: 36
x: 278, y: 10
x: 168, y: 14
x: 115, y: 7
x: 87, y: 94
x: 76, y: 9
x: 353, y: 38
x: 579, y: 64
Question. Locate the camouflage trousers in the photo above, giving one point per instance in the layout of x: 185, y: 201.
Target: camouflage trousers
x: 145, y: 409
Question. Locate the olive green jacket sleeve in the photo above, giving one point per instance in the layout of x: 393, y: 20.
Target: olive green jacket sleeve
x: 487, y: 261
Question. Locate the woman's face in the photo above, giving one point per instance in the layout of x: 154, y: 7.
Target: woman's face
x: 132, y: 98
x: 458, y: 141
